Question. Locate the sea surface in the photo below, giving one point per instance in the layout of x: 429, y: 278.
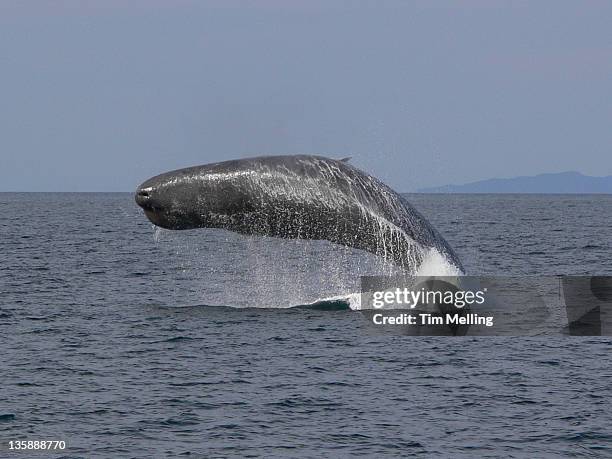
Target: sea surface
x: 126, y: 341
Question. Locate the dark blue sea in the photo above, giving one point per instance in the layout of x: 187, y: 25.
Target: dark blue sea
x: 125, y: 341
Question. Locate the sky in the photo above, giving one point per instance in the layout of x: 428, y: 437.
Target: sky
x: 100, y: 95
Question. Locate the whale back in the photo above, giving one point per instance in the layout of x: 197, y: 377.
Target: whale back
x: 322, y: 198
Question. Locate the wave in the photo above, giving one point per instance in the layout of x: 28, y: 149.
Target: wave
x: 338, y: 303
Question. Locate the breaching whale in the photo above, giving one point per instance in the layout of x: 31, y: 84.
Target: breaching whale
x: 297, y: 197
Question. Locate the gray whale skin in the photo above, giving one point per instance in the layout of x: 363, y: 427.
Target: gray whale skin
x: 298, y: 197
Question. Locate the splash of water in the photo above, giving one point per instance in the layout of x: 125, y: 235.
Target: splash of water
x: 157, y: 233
x: 224, y: 268
x: 436, y: 264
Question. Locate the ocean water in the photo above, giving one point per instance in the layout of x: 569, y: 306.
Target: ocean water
x: 125, y: 341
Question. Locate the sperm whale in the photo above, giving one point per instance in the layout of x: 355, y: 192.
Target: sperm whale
x: 297, y: 197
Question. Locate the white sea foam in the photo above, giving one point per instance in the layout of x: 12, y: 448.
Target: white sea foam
x: 436, y: 264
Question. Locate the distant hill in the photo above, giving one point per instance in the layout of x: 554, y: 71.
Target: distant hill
x: 563, y: 182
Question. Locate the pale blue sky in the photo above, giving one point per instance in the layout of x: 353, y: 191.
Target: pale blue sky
x: 100, y: 95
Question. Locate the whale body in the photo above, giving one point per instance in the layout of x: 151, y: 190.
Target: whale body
x: 297, y: 197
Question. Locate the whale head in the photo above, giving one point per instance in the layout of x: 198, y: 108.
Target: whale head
x: 210, y: 196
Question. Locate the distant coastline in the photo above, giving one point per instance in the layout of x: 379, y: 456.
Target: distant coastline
x: 559, y: 183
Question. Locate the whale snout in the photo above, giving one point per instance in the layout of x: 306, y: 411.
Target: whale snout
x: 150, y: 198
x: 164, y: 202
x: 143, y: 197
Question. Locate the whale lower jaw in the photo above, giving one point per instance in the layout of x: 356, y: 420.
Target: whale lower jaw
x: 158, y: 220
